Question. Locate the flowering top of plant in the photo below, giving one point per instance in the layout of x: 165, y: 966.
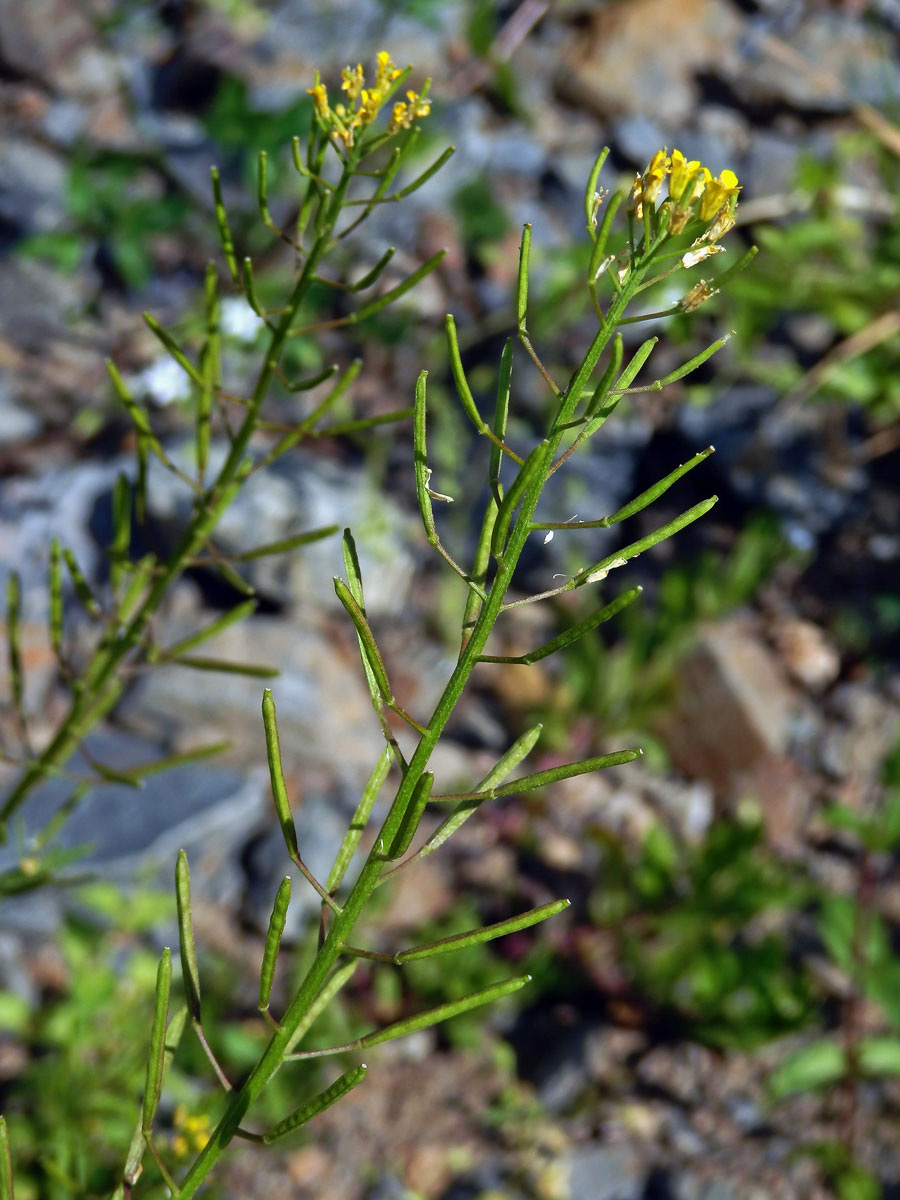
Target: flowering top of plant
x: 695, y: 194
x: 347, y: 121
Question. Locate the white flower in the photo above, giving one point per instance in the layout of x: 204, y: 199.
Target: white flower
x: 238, y: 320
x: 164, y: 381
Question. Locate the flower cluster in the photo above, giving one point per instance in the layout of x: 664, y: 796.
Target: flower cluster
x: 193, y: 1132
x: 347, y: 120
x: 694, y: 193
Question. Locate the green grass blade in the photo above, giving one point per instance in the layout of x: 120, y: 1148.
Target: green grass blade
x: 189, y: 971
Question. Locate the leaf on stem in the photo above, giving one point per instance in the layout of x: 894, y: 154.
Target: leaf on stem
x: 371, y: 654
x: 488, y: 933
x: 189, y: 970
x: 138, y: 1146
x: 222, y: 224
x: 273, y: 942
x: 412, y: 816
x: 173, y: 349
x: 360, y: 820
x: 6, y: 1171
x: 156, y: 1055
x: 256, y: 670
x: 347, y: 1082
x: 276, y: 776
x: 569, y: 636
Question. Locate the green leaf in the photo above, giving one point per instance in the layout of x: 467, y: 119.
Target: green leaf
x: 189, y: 971
x: 815, y: 1066
x: 273, y: 942
x: 276, y: 776
x: 880, y: 1056
x: 156, y: 1055
x: 238, y: 613
x: 347, y: 1082
x: 173, y: 349
x: 488, y: 933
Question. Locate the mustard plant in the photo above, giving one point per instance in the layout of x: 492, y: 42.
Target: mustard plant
x: 662, y: 237
x: 96, y: 664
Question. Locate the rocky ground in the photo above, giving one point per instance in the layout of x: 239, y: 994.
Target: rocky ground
x: 777, y: 711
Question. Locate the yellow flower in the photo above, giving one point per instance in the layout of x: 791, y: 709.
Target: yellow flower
x: 683, y: 181
x: 659, y: 167
x: 387, y: 72
x: 406, y: 111
x: 716, y: 193
x: 354, y: 80
x: 193, y: 1132
x: 320, y: 99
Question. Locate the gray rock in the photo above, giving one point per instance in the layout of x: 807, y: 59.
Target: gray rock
x: 129, y: 833
x: 303, y: 492
x: 606, y: 1173
x: 32, y: 185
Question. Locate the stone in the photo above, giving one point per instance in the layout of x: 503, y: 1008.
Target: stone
x: 733, y: 706
x: 599, y: 1172
x: 626, y: 56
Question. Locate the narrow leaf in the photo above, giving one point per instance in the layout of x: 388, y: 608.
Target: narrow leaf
x: 371, y: 653
x: 459, y: 377
x: 601, y: 391
x: 273, y: 942
x: 653, y: 493
x: 598, y: 253
x: 519, y: 750
x: 189, y: 971
x: 528, y: 783
x: 256, y: 670
x: 814, y: 1066
x: 602, y: 568
x: 306, y: 385
x: 156, y: 1055
x: 6, y: 1171
x: 880, y: 1056
x: 371, y: 276
x: 433, y: 169
x: 522, y: 278
x: 14, y: 641
x: 276, y: 776
x: 443, y: 1012
x: 222, y: 223
x: 173, y: 349
x: 412, y: 816
x: 56, y: 597
x: 360, y: 820
x: 347, y: 1082
x: 532, y: 467
x: 337, y: 981
x: 590, y: 191
x: 138, y: 1145
x: 287, y: 544
x: 571, y: 635
x: 238, y: 613
x: 475, y: 937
